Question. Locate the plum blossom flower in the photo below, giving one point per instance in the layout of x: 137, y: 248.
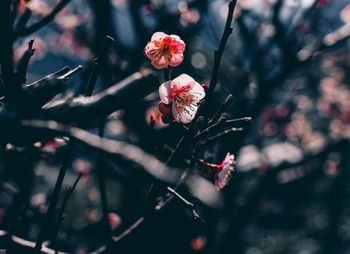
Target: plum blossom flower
x: 225, y: 169
x: 221, y: 172
x: 165, y: 50
x: 185, y: 94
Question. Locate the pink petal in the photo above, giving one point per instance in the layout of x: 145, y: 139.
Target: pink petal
x: 176, y: 37
x: 160, y: 63
x: 151, y: 50
x: 164, y: 92
x: 198, y: 91
x: 186, y: 114
x: 184, y: 80
x: 158, y: 36
x: 176, y: 59
x: 177, y: 46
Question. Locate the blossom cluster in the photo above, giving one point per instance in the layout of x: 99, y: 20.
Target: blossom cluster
x: 180, y: 97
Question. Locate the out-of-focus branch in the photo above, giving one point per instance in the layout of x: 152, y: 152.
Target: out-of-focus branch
x: 330, y: 40
x: 42, y: 22
x: 90, y: 111
x: 23, y: 20
x: 42, y: 92
x: 199, y: 187
x: 280, y: 35
x: 219, y: 52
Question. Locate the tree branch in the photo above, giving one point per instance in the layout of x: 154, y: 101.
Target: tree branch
x: 22, y: 67
x: 42, y: 22
x: 90, y: 111
x: 219, y: 52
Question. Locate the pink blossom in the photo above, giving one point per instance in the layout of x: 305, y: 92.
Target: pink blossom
x: 185, y: 94
x: 164, y: 50
x: 225, y: 169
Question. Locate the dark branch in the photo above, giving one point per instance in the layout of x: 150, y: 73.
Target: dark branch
x: 23, y: 20
x: 22, y: 67
x: 222, y: 108
x: 189, y: 205
x: 219, y: 52
x: 97, y: 62
x: 91, y: 110
x: 56, y: 74
x: 6, y: 50
x: 42, y: 22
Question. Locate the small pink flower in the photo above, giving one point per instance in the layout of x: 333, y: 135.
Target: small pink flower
x: 114, y: 220
x: 185, y: 94
x: 225, y: 169
x: 220, y: 172
x: 164, y: 50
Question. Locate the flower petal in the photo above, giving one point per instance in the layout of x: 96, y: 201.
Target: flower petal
x: 151, y: 50
x: 160, y: 62
x: 198, y: 91
x: 224, y: 175
x: 176, y: 37
x: 185, y: 114
x: 176, y: 59
x: 158, y: 36
x: 184, y: 80
x: 164, y: 92
x: 177, y: 46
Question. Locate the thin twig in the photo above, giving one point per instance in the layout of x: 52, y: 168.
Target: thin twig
x: 44, y: 228
x: 56, y: 74
x: 61, y: 211
x: 221, y: 109
x: 221, y: 122
x: 98, y: 61
x: 219, y: 52
x: 22, y: 67
x: 67, y: 75
x: 97, y: 64
x: 221, y: 134
x: 189, y: 205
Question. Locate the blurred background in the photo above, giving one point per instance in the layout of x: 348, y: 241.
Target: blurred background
x: 286, y: 65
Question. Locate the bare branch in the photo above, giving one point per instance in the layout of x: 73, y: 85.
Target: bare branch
x: 99, y: 106
x: 221, y: 109
x: 219, y: 52
x: 56, y: 74
x: 331, y: 39
x: 97, y: 62
x: 22, y: 67
x: 189, y: 205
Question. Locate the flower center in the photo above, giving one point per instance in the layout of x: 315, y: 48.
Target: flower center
x: 181, y: 95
